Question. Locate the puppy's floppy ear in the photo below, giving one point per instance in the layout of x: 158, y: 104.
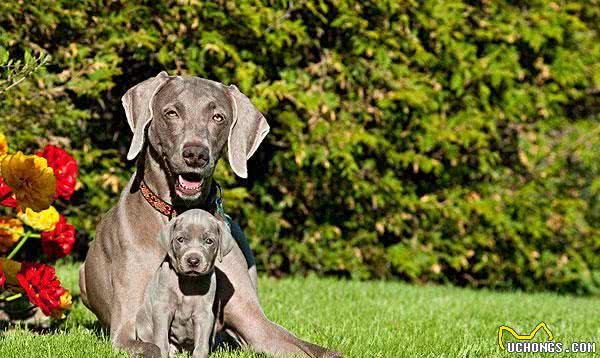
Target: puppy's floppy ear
x: 248, y: 128
x: 137, y: 103
x: 225, y: 241
x: 165, y: 235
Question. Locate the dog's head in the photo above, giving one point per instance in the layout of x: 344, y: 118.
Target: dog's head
x: 190, y: 122
x: 194, y: 240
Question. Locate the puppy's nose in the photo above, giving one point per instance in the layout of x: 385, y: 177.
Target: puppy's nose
x: 193, y: 261
x: 195, y: 155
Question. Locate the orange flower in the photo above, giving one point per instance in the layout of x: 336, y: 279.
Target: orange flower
x: 65, y: 304
x: 30, y: 179
x: 10, y: 231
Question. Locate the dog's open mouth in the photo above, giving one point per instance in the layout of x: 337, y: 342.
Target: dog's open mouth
x: 188, y: 184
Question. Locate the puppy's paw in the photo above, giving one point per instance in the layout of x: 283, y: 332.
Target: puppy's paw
x: 144, y: 350
x: 151, y: 350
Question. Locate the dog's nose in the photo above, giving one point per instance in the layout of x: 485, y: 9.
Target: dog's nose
x: 193, y: 261
x: 195, y: 155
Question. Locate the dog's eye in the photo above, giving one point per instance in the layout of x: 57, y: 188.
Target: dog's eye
x: 171, y: 114
x: 180, y: 239
x: 218, y: 117
x: 209, y: 241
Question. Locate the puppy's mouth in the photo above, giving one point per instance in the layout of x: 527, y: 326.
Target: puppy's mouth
x: 189, y: 184
x: 203, y: 269
x: 197, y: 273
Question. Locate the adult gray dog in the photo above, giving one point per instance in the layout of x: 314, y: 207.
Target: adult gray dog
x: 181, y: 127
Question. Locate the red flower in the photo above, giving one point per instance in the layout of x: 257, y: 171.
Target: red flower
x: 59, y: 242
x: 65, y: 170
x: 10, y: 200
x: 41, y: 286
x: 2, y: 276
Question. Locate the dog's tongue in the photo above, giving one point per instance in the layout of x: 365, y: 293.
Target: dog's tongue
x: 189, y: 183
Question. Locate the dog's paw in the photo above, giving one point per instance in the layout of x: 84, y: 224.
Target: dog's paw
x: 151, y: 350
x: 333, y: 354
x: 144, y: 350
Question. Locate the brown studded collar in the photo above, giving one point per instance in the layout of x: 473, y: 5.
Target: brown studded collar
x: 215, y: 208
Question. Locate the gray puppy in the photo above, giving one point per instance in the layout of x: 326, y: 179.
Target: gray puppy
x: 177, y: 313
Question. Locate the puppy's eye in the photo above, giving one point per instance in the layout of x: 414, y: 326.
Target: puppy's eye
x: 180, y: 239
x: 171, y: 114
x: 218, y: 117
x: 209, y: 241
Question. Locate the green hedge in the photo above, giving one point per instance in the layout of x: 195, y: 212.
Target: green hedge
x: 456, y: 141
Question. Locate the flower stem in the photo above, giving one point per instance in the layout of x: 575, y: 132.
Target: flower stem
x: 16, y: 249
x: 10, y: 230
x: 13, y: 297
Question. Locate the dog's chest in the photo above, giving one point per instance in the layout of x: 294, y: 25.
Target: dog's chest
x: 182, y: 327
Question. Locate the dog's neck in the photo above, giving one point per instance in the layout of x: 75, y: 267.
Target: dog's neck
x: 193, y: 286
x: 153, y: 171
x: 155, y: 175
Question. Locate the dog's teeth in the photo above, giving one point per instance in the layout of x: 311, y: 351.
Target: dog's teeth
x: 190, y: 186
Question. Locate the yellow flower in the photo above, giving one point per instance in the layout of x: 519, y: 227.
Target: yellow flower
x: 30, y: 179
x: 45, y: 220
x: 3, y: 145
x: 11, y: 230
x: 65, y: 304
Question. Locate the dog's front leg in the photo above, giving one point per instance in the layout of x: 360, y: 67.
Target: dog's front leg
x: 203, y: 326
x: 130, y: 278
x: 162, y: 315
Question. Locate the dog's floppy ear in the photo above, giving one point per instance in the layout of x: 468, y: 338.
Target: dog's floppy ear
x: 225, y: 241
x: 248, y: 128
x: 164, y: 237
x: 138, y: 109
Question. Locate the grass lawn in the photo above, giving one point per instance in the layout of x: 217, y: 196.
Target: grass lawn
x: 360, y: 319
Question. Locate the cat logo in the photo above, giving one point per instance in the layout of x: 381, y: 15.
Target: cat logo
x: 526, y: 337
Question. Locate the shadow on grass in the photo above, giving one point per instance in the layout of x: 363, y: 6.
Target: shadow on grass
x: 44, y: 327
x: 34, y: 321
